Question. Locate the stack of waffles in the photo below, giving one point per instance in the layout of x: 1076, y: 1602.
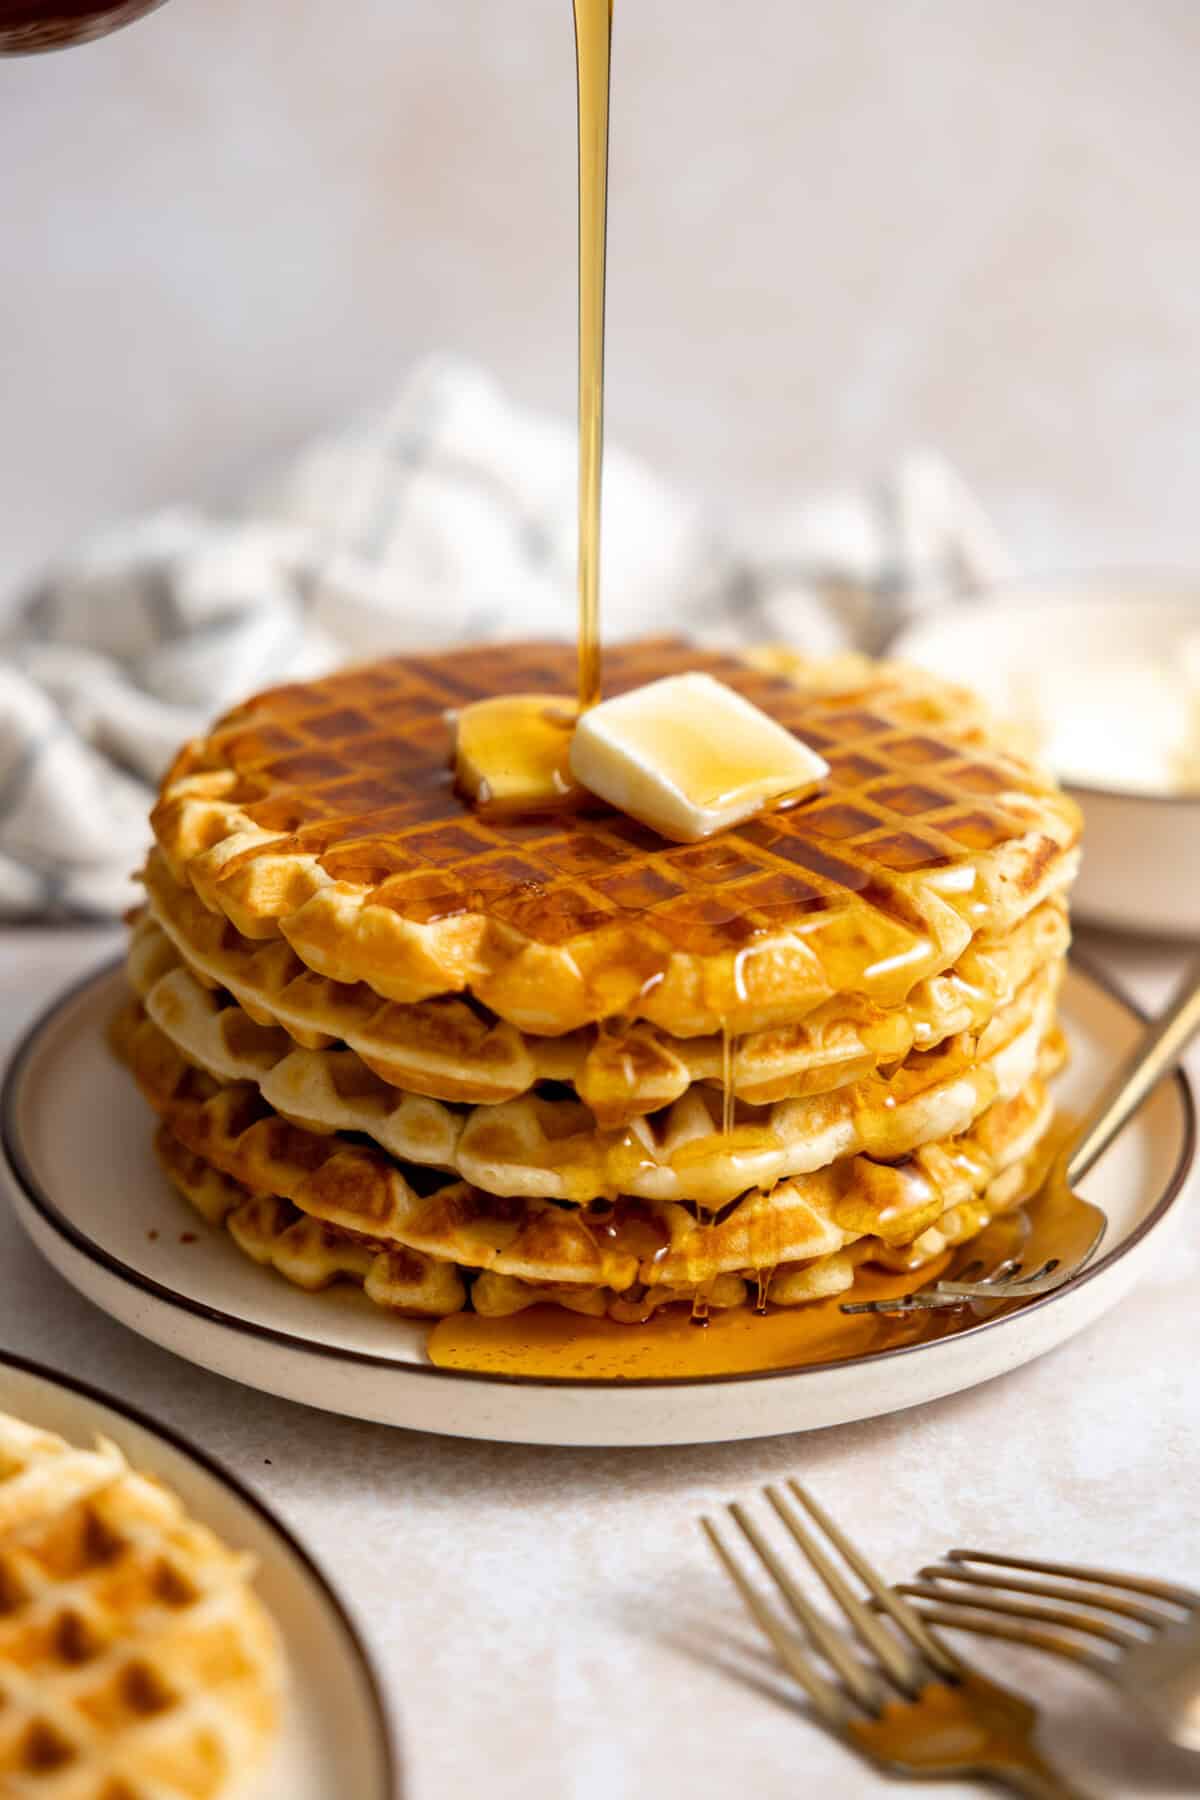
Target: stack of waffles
x: 474, y: 1061
x: 135, y: 1662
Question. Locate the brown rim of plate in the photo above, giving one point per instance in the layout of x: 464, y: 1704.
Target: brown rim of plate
x: 1021, y: 585
x: 385, y: 1727
x: 22, y: 1173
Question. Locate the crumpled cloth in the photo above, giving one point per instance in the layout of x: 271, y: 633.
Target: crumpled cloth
x: 448, y: 517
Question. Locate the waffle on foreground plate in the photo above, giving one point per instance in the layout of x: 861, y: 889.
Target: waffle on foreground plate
x: 471, y: 1061
x: 134, y: 1659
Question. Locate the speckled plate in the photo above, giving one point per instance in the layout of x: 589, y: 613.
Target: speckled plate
x: 336, y: 1739
x: 79, y: 1167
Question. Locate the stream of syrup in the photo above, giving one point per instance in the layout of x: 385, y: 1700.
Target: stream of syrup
x: 593, y: 56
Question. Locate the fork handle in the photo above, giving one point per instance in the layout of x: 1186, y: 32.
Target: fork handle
x: 1153, y: 1057
x: 1035, y: 1779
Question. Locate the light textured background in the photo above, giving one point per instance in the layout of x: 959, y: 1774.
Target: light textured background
x: 837, y: 230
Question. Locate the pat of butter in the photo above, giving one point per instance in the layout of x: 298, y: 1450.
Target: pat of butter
x: 510, y: 753
x: 688, y: 756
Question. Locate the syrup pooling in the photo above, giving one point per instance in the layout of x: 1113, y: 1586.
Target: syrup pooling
x: 550, y: 1344
x: 361, y: 1190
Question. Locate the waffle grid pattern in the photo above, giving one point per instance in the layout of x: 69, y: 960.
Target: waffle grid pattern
x: 382, y: 1036
x: 135, y: 1663
x: 355, y: 1187
x: 314, y: 1255
x: 553, y: 1148
x: 345, y: 782
x: 452, y: 1050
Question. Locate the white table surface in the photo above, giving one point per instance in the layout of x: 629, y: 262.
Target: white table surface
x: 549, y: 1623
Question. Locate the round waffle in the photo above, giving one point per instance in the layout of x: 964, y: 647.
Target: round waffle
x: 134, y: 1659
x: 325, y: 814
x: 552, y: 1147
x: 313, y: 1254
x: 356, y: 1187
x: 450, y: 1048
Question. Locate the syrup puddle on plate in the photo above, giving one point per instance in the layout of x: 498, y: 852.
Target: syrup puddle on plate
x: 551, y: 1343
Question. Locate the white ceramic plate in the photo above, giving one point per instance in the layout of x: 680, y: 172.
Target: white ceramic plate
x: 1141, y: 851
x: 336, y: 1740
x: 110, y: 1224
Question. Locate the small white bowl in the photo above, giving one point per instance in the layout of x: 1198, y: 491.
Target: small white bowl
x: 1141, y: 862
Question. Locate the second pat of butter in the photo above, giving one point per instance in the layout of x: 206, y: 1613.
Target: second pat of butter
x: 688, y: 756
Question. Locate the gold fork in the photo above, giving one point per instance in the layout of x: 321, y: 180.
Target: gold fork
x: 892, y: 1689
x: 1067, y: 1229
x: 1148, y: 1645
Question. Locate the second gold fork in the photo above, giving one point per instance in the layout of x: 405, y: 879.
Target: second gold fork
x: 891, y: 1689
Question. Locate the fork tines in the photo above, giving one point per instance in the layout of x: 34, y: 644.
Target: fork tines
x: 891, y: 1652
x: 973, y: 1590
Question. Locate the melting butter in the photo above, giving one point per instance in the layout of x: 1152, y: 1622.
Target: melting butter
x: 511, y: 752
x: 688, y: 756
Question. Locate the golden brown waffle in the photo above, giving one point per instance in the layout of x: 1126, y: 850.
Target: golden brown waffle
x: 307, y: 1252
x: 324, y: 813
x: 314, y: 1255
x: 356, y: 1187
x: 135, y: 1663
x: 451, y: 1049
x: 552, y: 1147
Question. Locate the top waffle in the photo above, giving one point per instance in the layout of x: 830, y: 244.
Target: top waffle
x: 325, y: 814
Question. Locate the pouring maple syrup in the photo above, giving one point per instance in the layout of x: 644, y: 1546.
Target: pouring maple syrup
x: 516, y: 737
x: 713, y: 771
x: 593, y: 58
x: 548, y: 1341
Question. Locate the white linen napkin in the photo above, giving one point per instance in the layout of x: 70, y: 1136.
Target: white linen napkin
x: 449, y: 517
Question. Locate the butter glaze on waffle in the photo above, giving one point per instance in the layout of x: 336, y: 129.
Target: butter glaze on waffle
x: 450, y: 1049
x: 356, y: 1187
x: 135, y: 1663
x: 552, y: 1148
x: 324, y: 813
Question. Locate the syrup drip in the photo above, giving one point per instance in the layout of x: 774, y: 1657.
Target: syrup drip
x: 702, y: 1301
x: 728, y: 1066
x: 547, y: 1342
x: 593, y: 56
x: 623, y: 1069
x: 706, y: 1218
